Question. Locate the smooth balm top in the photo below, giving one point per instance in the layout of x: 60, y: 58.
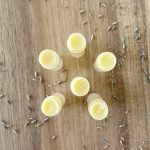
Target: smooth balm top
x: 97, y: 107
x: 52, y: 105
x: 76, y: 44
x: 49, y: 59
x: 105, y: 61
x: 80, y: 86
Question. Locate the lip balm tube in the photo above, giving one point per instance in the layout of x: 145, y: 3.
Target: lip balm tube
x: 49, y: 59
x: 76, y: 44
x: 80, y: 86
x: 53, y: 104
x: 97, y: 107
x: 105, y: 61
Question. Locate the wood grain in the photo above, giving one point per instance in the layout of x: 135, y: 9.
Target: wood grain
x: 29, y: 26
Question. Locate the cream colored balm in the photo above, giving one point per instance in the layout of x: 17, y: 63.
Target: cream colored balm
x: 49, y: 59
x: 97, y: 107
x: 105, y: 61
x: 76, y: 44
x: 53, y: 104
x: 80, y: 86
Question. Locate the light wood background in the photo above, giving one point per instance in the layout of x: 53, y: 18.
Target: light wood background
x: 30, y: 26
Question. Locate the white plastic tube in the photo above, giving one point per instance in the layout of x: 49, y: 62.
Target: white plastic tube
x: 53, y: 104
x: 80, y: 86
x: 76, y: 44
x: 105, y: 61
x: 97, y: 107
x: 49, y: 59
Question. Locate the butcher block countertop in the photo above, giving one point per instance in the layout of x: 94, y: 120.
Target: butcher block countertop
x: 120, y: 26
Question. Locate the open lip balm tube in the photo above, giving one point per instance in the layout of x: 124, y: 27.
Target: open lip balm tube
x: 80, y: 86
x: 105, y: 61
x: 49, y: 59
x: 53, y: 104
x: 76, y: 44
x: 97, y: 107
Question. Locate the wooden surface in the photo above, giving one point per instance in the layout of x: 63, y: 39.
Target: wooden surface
x: 29, y: 26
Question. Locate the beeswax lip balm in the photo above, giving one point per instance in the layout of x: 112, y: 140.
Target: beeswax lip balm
x: 53, y: 104
x: 105, y: 61
x: 80, y: 86
x: 97, y: 107
x: 49, y: 59
x: 76, y: 44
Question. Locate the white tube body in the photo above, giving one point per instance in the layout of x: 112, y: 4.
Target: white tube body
x: 53, y: 104
x: 105, y: 62
x: 49, y: 59
x: 76, y: 44
x: 97, y: 107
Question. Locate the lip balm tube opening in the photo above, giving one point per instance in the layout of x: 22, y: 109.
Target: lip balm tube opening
x: 76, y: 44
x: 97, y: 107
x: 53, y: 104
x: 105, y: 62
x: 80, y: 86
x: 49, y: 59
